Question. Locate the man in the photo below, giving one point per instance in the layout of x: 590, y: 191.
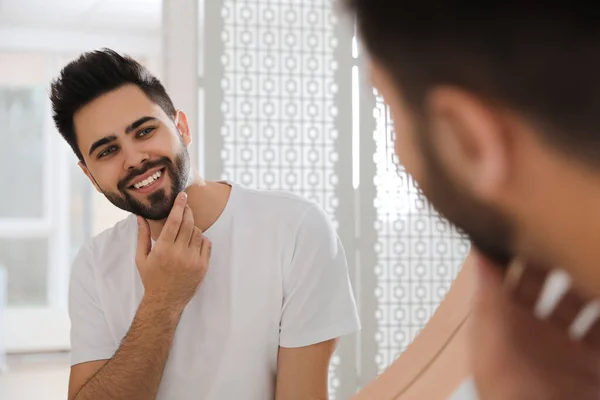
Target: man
x: 155, y: 313
x: 496, y: 110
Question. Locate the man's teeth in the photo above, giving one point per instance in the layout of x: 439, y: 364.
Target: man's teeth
x: 148, y: 181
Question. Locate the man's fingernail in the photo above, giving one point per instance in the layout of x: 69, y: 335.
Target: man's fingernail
x: 556, y: 285
x: 183, y: 196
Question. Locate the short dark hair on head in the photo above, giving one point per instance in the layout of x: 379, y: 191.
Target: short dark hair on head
x: 536, y: 58
x: 93, y: 74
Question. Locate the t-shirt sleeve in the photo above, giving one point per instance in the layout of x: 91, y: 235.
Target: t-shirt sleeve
x: 91, y: 339
x: 318, y: 303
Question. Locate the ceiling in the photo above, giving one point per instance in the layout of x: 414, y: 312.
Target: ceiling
x: 110, y: 16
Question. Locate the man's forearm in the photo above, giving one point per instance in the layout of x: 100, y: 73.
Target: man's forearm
x: 135, y: 371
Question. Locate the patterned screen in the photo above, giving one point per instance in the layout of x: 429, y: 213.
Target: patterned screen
x: 418, y: 253
x: 278, y: 101
x: 278, y: 85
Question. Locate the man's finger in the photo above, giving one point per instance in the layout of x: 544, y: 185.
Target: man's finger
x: 567, y: 309
x: 206, y: 249
x: 144, y: 243
x: 187, y: 227
x: 196, y: 239
x: 171, y: 228
x: 527, y: 290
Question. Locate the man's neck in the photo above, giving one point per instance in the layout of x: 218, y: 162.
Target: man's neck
x: 207, y: 201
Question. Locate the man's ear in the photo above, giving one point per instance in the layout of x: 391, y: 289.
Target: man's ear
x: 181, y: 122
x: 470, y: 140
x: 87, y: 173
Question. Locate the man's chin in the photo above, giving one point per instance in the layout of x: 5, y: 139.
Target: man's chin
x: 155, y: 212
x: 155, y: 217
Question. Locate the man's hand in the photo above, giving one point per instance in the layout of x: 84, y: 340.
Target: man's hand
x: 171, y: 273
x: 173, y: 270
x: 517, y: 356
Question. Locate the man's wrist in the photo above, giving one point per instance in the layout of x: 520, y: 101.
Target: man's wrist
x: 161, y: 304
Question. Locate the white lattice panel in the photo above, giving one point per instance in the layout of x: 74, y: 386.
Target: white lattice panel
x: 418, y: 253
x: 278, y: 84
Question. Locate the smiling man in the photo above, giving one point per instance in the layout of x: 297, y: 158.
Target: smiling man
x: 155, y: 313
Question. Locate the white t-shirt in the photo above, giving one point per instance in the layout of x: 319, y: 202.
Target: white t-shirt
x: 277, y: 277
x: 466, y: 391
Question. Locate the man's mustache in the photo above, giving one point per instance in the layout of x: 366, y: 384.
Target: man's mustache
x: 124, y: 183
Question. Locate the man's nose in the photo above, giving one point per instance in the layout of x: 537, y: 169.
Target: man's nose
x: 134, y: 158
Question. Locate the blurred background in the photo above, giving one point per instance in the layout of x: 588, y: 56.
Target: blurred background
x: 278, y: 98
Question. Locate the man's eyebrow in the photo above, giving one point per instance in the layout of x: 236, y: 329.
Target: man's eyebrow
x: 101, y: 142
x: 137, y: 123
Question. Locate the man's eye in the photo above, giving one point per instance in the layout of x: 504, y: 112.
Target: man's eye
x: 108, y: 151
x: 145, y: 132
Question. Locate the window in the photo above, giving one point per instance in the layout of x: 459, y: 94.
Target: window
x: 48, y: 208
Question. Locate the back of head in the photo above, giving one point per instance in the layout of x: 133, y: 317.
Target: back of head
x: 539, y: 59
x: 93, y: 74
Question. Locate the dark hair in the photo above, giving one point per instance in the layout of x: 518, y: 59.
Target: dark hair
x: 539, y: 59
x: 93, y: 74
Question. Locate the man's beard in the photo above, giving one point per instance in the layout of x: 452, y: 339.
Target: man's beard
x: 489, y: 230
x: 160, y: 202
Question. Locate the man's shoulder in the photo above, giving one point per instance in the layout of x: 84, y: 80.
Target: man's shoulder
x: 276, y: 201
x: 289, y: 214
x: 112, y: 240
x: 101, y: 260
x: 116, y: 234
